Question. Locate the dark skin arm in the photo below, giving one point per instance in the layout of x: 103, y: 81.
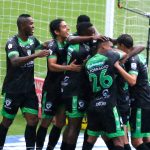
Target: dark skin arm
x: 18, y: 61
x: 135, y: 50
x: 81, y: 39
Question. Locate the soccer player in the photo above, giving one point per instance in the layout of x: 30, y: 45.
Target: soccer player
x: 52, y: 100
x: 74, y: 90
x: 123, y: 99
x: 137, y: 78
x: 18, y: 87
x: 102, y: 113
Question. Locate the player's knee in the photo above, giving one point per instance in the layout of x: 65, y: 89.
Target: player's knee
x: 92, y: 139
x: 32, y: 121
x: 6, y: 122
x: 60, y: 123
x: 118, y: 141
x: 136, y: 142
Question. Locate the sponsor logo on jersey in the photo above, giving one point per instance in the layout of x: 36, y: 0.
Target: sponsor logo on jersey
x: 106, y: 93
x: 99, y: 103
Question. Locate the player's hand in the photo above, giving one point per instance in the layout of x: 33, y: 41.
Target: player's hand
x: 43, y: 53
x: 117, y: 64
x: 100, y: 37
x: 74, y: 67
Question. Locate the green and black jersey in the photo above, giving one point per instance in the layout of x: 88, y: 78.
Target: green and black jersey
x: 53, y: 79
x: 141, y: 91
x: 101, y: 74
x: 74, y: 83
x: 123, y: 99
x: 19, y: 79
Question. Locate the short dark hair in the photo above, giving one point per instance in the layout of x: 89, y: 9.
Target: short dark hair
x: 83, y: 18
x: 22, y: 18
x: 55, y: 25
x: 83, y: 27
x: 126, y: 40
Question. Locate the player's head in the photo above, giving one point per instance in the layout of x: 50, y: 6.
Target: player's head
x: 25, y: 24
x: 59, y: 27
x: 85, y: 29
x: 124, y: 41
x: 83, y: 18
x: 103, y: 45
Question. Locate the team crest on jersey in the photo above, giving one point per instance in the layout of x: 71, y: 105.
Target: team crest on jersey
x: 9, y: 46
x: 133, y: 66
x: 106, y: 93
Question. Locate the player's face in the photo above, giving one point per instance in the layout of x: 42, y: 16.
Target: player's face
x: 90, y: 31
x: 121, y: 47
x: 28, y: 27
x: 63, y: 30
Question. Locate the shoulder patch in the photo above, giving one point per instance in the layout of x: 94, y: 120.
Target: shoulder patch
x: 9, y: 46
x: 133, y: 66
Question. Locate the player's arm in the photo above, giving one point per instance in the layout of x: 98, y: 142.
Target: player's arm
x: 135, y: 50
x: 130, y: 78
x: 18, y: 61
x: 53, y: 66
x: 80, y: 39
x: 122, y: 54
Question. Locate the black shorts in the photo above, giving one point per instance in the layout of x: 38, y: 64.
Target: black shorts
x: 104, y: 122
x: 124, y: 113
x: 50, y: 104
x: 28, y: 103
x: 75, y: 106
x: 140, y: 122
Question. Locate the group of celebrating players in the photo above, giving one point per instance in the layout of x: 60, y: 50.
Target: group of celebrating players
x: 86, y: 75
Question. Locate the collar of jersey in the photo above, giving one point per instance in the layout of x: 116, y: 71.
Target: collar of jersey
x: 24, y: 43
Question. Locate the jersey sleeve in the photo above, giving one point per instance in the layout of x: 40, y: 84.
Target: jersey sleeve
x: 52, y: 47
x: 11, y: 48
x: 115, y: 56
x: 133, y: 66
x: 38, y: 44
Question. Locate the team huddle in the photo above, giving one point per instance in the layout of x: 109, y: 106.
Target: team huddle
x: 87, y: 75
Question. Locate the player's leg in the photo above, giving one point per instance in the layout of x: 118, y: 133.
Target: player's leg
x: 140, y: 128
x: 9, y: 110
x: 75, y: 112
x: 113, y: 128
x: 59, y: 123
x: 48, y: 112
x: 146, y: 140
x: 88, y: 145
x: 93, y: 127
x: 125, y: 115
x: 109, y: 143
x: 30, y: 111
